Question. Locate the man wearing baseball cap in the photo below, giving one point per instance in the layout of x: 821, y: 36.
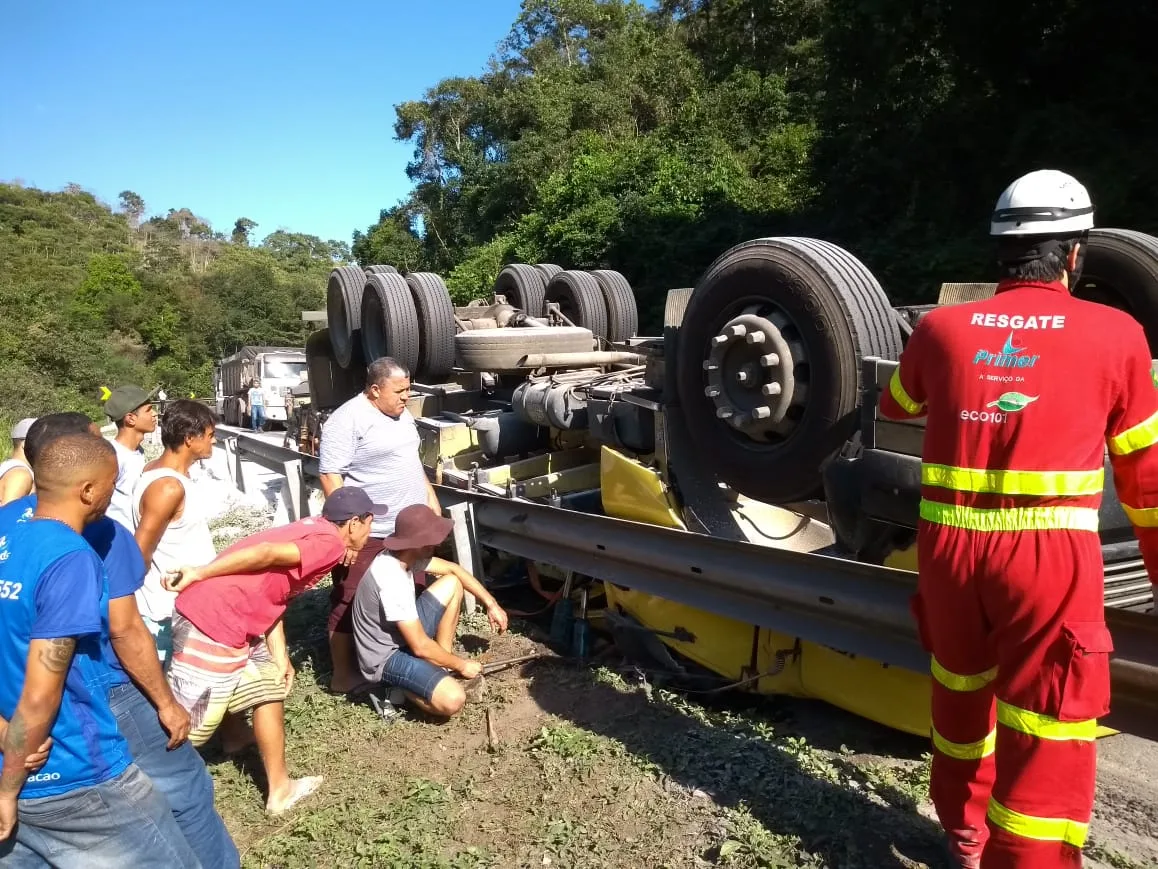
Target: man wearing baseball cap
x: 229, y: 645
x: 131, y: 408
x: 16, y: 472
x: 408, y: 644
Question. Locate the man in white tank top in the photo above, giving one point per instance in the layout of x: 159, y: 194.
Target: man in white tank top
x: 170, y: 513
x: 15, y: 472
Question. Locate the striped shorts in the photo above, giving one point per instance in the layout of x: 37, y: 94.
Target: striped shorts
x: 210, y: 679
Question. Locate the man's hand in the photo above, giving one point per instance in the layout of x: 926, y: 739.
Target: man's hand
x: 181, y: 578
x: 349, y: 558
x: 286, y: 673
x: 7, y: 815
x: 497, y: 616
x: 34, y: 761
x: 470, y: 669
x: 175, y: 720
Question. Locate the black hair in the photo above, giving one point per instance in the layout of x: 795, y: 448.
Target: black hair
x: 1035, y: 258
x: 48, y: 428
x: 62, y: 460
x: 185, y: 418
x: 384, y: 368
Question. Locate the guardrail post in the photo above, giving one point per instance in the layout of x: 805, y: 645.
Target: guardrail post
x: 238, y: 465
x: 292, y: 488
x: 465, y: 547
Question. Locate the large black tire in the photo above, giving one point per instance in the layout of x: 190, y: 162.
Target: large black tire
x: 836, y: 313
x: 382, y: 270
x: 331, y: 385
x: 344, y: 312
x: 435, y: 326
x: 390, y: 321
x: 580, y: 300
x: 622, y: 312
x: 501, y: 349
x: 1121, y: 271
x: 524, y: 287
x: 548, y: 270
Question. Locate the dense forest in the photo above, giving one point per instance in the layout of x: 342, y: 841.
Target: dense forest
x: 93, y: 297
x: 646, y: 138
x: 650, y: 138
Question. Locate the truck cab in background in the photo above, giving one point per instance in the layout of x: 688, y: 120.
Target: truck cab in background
x: 277, y: 369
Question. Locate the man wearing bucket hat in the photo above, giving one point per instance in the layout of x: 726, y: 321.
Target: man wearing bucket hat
x: 229, y: 645
x: 131, y: 409
x: 16, y: 472
x: 408, y: 644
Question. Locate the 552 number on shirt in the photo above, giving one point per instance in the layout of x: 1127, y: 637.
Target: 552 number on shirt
x: 10, y: 590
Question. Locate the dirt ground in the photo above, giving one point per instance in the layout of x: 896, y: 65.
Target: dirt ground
x: 590, y: 765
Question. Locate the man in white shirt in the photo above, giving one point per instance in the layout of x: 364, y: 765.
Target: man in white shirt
x: 131, y: 408
x: 408, y: 644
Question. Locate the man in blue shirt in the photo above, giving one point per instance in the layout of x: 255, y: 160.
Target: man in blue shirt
x: 89, y: 805
x: 156, y: 736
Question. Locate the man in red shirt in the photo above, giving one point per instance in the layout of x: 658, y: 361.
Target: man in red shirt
x: 229, y: 646
x: 1023, y: 393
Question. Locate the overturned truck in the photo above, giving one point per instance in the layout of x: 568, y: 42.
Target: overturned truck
x: 751, y: 419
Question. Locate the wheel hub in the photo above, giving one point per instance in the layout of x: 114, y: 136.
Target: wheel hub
x: 749, y: 370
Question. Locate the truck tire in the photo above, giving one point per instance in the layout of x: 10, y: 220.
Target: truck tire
x: 524, y: 287
x: 435, y: 325
x: 344, y: 312
x: 390, y: 321
x: 769, y: 367
x: 1121, y: 270
x: 382, y: 270
x: 622, y: 312
x: 501, y: 349
x: 331, y: 385
x: 580, y: 299
x: 548, y: 271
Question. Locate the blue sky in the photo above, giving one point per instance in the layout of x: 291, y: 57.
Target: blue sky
x: 280, y: 112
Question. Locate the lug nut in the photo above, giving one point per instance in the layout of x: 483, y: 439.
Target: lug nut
x: 770, y: 389
x: 743, y: 376
x: 719, y: 340
x: 761, y: 413
x: 709, y: 365
x: 770, y: 360
x: 756, y: 338
x: 737, y: 331
x: 711, y: 391
x: 723, y: 413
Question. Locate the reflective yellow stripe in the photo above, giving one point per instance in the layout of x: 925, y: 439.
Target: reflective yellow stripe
x: 1011, y: 519
x: 966, y: 750
x: 1142, y: 517
x: 1042, y: 483
x: 955, y: 682
x: 902, y: 398
x: 1143, y: 435
x: 1041, y: 829
x: 1046, y: 726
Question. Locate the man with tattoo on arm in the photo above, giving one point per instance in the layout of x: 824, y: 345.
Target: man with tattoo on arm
x: 150, y: 719
x: 89, y: 805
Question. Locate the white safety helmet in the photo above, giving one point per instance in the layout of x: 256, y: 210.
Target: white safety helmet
x: 1046, y: 202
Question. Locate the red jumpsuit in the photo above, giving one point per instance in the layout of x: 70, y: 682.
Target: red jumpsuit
x: 1023, y: 393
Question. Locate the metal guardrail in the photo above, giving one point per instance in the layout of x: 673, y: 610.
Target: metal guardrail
x: 859, y: 609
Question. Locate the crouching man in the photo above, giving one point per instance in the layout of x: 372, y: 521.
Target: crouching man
x: 229, y: 644
x: 408, y: 644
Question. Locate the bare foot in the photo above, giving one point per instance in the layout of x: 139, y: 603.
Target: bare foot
x: 297, y: 790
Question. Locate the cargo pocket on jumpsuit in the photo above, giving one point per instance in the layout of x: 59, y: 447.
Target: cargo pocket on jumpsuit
x: 1082, y: 690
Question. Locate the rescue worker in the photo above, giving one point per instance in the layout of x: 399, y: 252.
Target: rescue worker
x: 1022, y: 393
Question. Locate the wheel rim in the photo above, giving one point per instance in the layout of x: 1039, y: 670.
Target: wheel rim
x: 757, y: 372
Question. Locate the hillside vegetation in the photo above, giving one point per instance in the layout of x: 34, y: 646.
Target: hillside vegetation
x: 93, y: 297
x: 645, y: 138
x: 650, y: 138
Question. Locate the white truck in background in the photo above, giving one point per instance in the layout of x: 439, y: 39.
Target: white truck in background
x: 278, y: 369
